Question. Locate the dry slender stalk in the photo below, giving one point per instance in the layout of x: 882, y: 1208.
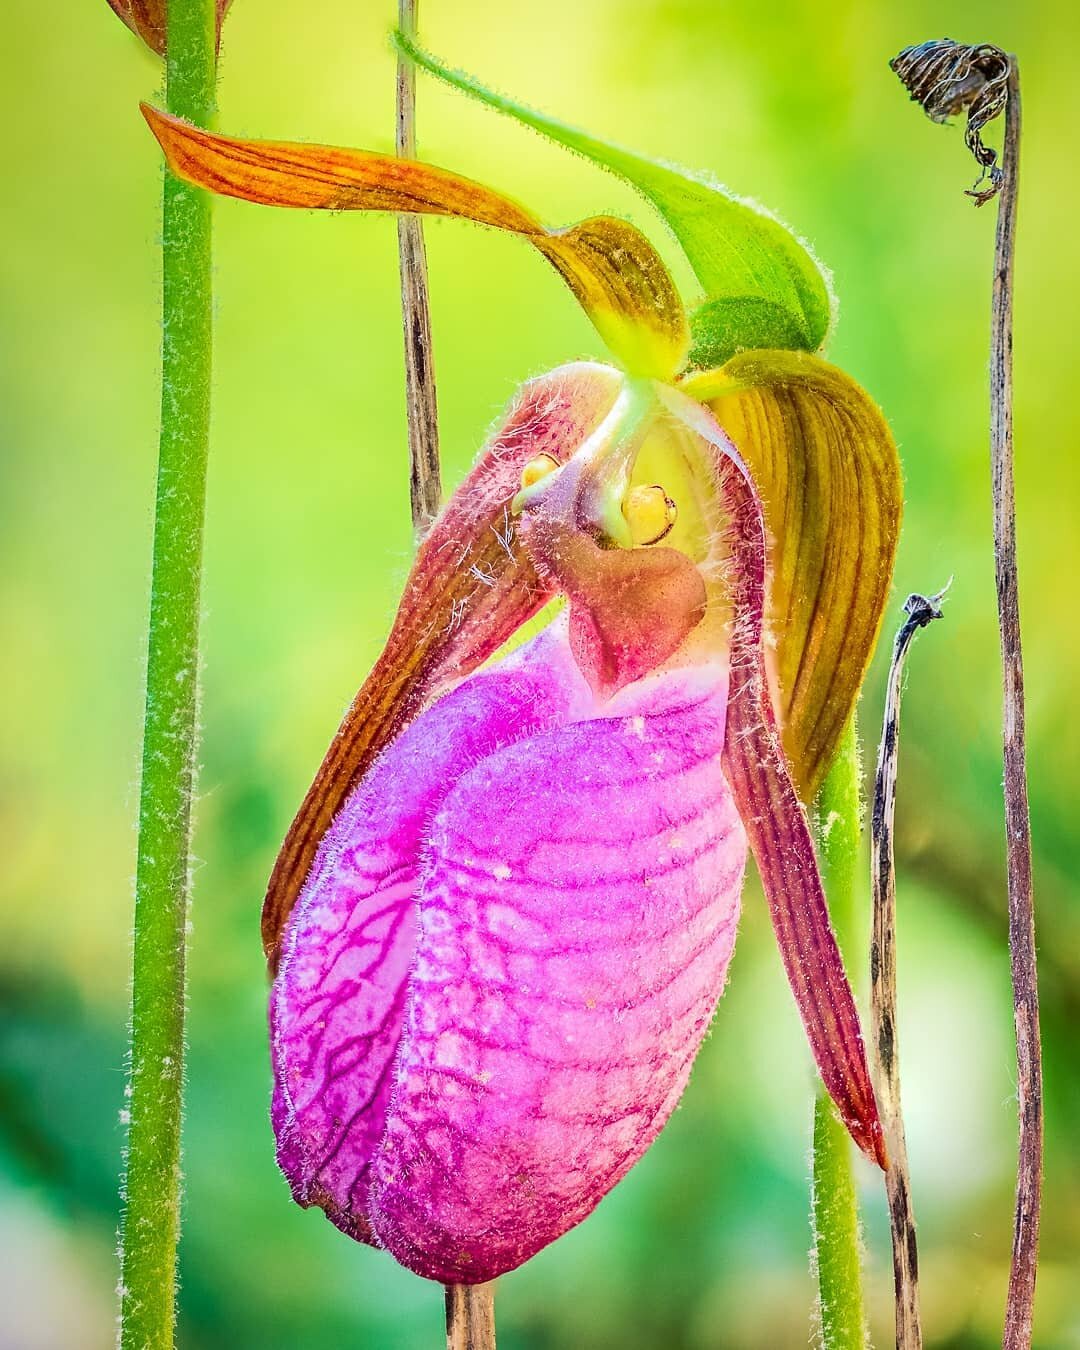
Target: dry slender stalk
x: 1021, y: 1297
x: 470, y: 1309
x: 470, y: 1316
x: 425, y: 486
x: 920, y: 612
x: 988, y: 81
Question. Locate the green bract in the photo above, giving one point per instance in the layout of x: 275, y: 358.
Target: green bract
x: 763, y: 288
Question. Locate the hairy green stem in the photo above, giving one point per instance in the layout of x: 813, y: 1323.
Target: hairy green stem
x: 835, y: 1205
x: 152, y: 1179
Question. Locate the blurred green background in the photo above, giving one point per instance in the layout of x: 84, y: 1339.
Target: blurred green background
x: 705, y: 1244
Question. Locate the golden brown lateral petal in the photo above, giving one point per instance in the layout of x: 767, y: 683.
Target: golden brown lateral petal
x: 470, y: 587
x: 775, y: 820
x: 146, y: 18
x: 614, y: 272
x: 826, y: 466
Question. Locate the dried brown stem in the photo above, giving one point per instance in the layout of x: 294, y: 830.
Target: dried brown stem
x: 920, y: 611
x: 470, y: 1309
x: 425, y: 485
x: 988, y: 82
x: 1021, y: 1296
x: 470, y: 1316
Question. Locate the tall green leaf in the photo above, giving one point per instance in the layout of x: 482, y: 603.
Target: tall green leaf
x: 763, y: 287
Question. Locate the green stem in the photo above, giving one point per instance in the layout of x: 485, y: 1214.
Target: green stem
x: 835, y: 1205
x: 152, y: 1180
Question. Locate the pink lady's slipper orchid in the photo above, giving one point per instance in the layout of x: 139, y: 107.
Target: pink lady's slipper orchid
x: 502, y: 919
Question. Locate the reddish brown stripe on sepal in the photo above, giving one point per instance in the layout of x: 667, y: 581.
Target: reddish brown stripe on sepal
x: 772, y: 815
x: 826, y: 468
x: 470, y: 588
x: 611, y: 268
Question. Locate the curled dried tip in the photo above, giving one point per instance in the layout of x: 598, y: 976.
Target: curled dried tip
x: 924, y: 609
x: 947, y: 78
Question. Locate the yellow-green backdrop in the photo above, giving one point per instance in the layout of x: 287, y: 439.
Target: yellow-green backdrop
x: 705, y: 1244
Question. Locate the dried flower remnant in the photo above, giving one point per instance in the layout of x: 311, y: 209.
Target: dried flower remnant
x: 948, y: 78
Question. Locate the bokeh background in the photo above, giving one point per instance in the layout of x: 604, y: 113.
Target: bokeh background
x: 705, y: 1244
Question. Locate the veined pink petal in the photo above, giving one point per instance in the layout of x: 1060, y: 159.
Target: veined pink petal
x: 577, y: 918
x: 338, y: 1004
x: 576, y: 911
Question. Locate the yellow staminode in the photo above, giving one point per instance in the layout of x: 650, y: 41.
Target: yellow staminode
x: 650, y: 513
x: 538, y: 468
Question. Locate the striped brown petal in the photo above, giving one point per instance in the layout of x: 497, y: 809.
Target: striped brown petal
x: 774, y: 818
x: 615, y: 274
x: 470, y: 588
x: 825, y: 464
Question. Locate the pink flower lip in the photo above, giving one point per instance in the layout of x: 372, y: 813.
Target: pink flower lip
x: 504, y: 916
x: 502, y: 966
